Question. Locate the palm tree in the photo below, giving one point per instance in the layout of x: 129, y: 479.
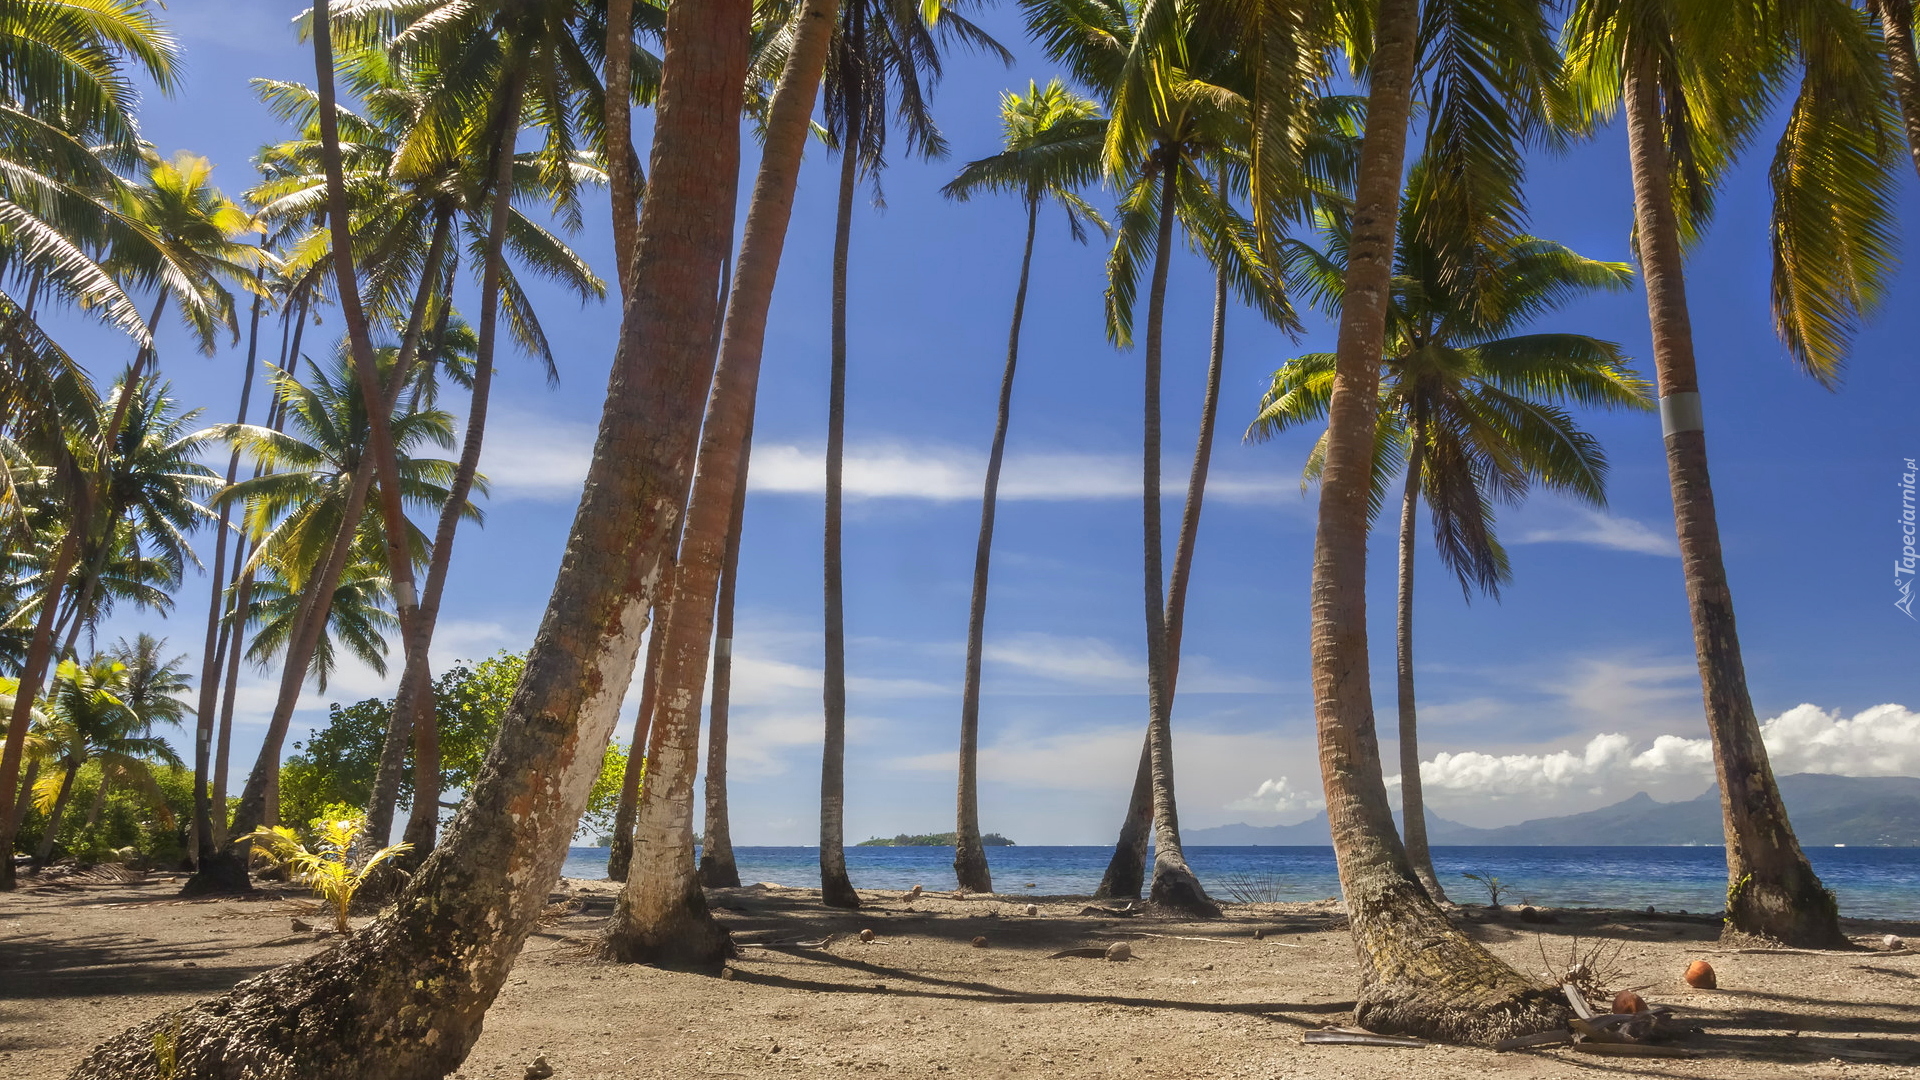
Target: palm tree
x: 154, y: 681
x: 1903, y: 68
x: 303, y: 501
x: 472, y: 904
x: 89, y: 721
x: 1472, y: 408
x: 662, y: 914
x: 1052, y: 141
x: 717, y: 867
x: 1693, y: 96
x: 885, y: 49
x: 357, y: 618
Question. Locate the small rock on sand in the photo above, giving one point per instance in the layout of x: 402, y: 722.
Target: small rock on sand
x: 979, y: 943
x: 539, y: 1070
x: 1033, y: 909
x: 1119, y: 951
x: 1892, y: 942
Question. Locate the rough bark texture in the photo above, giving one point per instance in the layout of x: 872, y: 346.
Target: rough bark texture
x: 1126, y: 871
x: 1174, y: 885
x: 1771, y: 890
x: 717, y: 867
x: 1418, y: 974
x: 621, y: 162
x: 969, y: 854
x: 1896, y: 27
x: 1413, y: 808
x: 836, y: 889
x: 620, y: 850
x: 403, y: 999
x: 661, y: 916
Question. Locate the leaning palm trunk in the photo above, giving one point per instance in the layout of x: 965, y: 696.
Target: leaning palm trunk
x: 203, y: 731
x: 1418, y: 973
x: 969, y: 854
x: 1174, y: 885
x: 1896, y: 28
x: 33, y: 674
x: 620, y: 851
x: 662, y: 915
x: 423, y: 824
x: 1126, y: 871
x: 1771, y: 889
x: 403, y: 999
x: 1413, y: 808
x: 717, y: 867
x: 836, y: 889
x: 55, y: 817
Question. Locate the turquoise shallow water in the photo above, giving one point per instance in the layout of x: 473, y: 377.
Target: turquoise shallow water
x: 1876, y: 883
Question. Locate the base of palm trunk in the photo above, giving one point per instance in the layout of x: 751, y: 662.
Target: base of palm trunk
x: 1126, y: 873
x: 836, y: 890
x: 1799, y: 912
x: 970, y: 869
x: 619, y: 858
x: 220, y: 874
x: 1176, y: 889
x: 1455, y: 1013
x: 683, y: 935
x: 1432, y: 884
x: 719, y: 873
x: 354, y: 1011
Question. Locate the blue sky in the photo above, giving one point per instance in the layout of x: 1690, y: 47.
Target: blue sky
x: 1577, y: 689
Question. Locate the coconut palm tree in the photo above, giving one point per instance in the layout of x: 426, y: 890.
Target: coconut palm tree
x: 1695, y: 82
x: 1052, y: 138
x: 472, y: 904
x: 303, y: 500
x: 1472, y: 409
x: 1903, y: 67
x: 154, y: 681
x: 886, y: 52
x: 661, y: 913
x: 89, y: 721
x: 358, y: 619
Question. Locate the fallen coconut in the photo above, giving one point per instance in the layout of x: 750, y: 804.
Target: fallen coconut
x: 1033, y: 909
x: 866, y: 935
x: 979, y: 943
x: 1119, y: 951
x: 1626, y: 1001
x: 1892, y: 942
x: 1700, y: 976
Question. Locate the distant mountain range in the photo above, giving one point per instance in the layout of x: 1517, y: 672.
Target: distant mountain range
x: 1858, y: 811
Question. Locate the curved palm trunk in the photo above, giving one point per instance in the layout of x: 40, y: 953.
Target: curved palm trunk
x: 1413, y: 808
x: 1896, y: 28
x: 403, y: 999
x: 969, y: 854
x: 836, y: 889
x: 55, y: 817
x: 210, y: 664
x: 717, y: 867
x: 32, y: 674
x: 393, y: 751
x: 620, y: 853
x: 423, y: 824
x: 1418, y: 973
x: 1126, y: 871
x: 662, y: 916
x: 1771, y: 890
x: 622, y: 164
x: 1174, y: 885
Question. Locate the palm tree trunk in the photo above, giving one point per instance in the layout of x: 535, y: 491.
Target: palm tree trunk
x: 44, y: 853
x: 1771, y: 890
x: 836, y: 890
x: 99, y: 801
x: 622, y: 164
x: 404, y: 1000
x: 393, y: 750
x: 1896, y: 27
x: 717, y: 867
x: 416, y: 691
x: 1174, y: 885
x: 1413, y: 808
x: 236, y: 641
x: 203, y: 847
x: 969, y: 854
x: 33, y: 674
x: 1418, y: 973
x: 1126, y: 871
x: 661, y: 916
x: 620, y: 852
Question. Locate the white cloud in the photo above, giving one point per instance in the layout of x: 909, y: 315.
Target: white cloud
x: 1579, y: 525
x: 1881, y: 741
x: 536, y: 456
x: 1084, y: 661
x: 1281, y: 797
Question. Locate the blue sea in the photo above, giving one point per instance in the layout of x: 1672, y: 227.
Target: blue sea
x: 1872, y: 883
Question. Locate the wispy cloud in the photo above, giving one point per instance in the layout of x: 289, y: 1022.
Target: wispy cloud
x: 1579, y: 525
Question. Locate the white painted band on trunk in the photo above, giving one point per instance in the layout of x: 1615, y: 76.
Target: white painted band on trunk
x: 1680, y: 412
x: 404, y: 595
x: 723, y: 646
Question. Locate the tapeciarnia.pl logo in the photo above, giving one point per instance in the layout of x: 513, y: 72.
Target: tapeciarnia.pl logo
x: 1904, y: 566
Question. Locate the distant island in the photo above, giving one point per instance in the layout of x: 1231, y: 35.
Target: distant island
x: 1827, y: 811
x: 944, y: 839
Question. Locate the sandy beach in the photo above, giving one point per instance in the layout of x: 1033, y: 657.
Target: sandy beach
x: 81, y: 962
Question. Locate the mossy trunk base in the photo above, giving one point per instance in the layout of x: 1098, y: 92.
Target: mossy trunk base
x: 1176, y: 889
x: 837, y: 891
x: 221, y: 874
x: 1805, y: 917
x: 683, y: 937
x: 719, y: 872
x: 970, y: 868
